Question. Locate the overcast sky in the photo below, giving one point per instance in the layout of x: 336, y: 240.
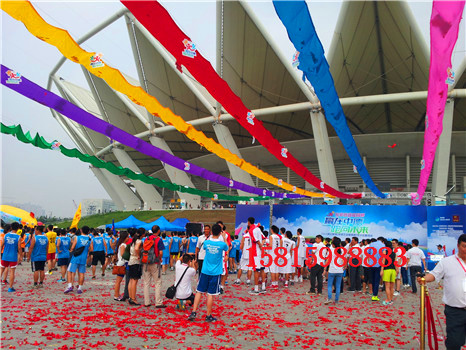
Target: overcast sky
x: 48, y: 178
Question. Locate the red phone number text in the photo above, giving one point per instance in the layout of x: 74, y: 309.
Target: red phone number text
x: 339, y: 257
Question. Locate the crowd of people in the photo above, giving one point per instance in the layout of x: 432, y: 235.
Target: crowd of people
x: 276, y: 259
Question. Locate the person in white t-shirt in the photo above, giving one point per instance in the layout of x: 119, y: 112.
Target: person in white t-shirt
x: 244, y: 262
x: 302, y: 246
x: 317, y: 271
x: 355, y: 275
x: 288, y: 269
x: 184, y: 291
x: 415, y: 256
x: 452, y: 270
x: 259, y: 271
x: 275, y: 241
x: 335, y: 272
x: 200, y: 251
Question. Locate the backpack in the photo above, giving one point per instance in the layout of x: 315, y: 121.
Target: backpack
x: 150, y: 253
x: 126, y: 254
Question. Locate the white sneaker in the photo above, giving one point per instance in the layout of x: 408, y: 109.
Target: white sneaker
x: 396, y: 293
x: 300, y: 279
x: 295, y: 279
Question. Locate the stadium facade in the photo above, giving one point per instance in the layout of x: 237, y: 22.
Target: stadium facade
x: 380, y: 64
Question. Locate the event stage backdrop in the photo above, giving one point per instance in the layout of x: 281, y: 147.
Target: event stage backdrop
x: 260, y: 212
x: 401, y: 222
x: 444, y: 225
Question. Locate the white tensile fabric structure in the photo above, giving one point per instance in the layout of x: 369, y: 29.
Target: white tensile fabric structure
x: 379, y: 61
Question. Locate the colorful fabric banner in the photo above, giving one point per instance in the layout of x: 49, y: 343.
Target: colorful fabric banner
x: 297, y: 20
x: 49, y: 99
x: 24, y: 11
x: 444, y: 27
x: 76, y: 218
x: 40, y: 142
x: 156, y: 19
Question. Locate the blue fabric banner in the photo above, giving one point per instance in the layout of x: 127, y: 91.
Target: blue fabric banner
x: 311, y: 61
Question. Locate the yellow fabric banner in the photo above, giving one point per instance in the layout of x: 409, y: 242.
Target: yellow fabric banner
x: 24, y: 11
x: 77, y: 217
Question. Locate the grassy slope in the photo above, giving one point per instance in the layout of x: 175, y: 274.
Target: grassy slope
x: 205, y: 216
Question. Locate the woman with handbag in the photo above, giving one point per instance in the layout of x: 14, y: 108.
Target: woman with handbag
x: 134, y: 267
x: 119, y: 269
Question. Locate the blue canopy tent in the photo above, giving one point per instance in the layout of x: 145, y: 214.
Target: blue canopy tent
x: 164, y: 225
x: 180, y: 222
x: 130, y: 221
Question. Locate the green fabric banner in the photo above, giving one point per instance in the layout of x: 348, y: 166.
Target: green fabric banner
x: 40, y: 142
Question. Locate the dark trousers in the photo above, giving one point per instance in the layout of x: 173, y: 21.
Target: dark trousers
x: 355, y: 278
x: 404, y: 275
x: 126, y: 293
x: 316, y: 274
x: 413, y: 270
x: 375, y: 277
x: 456, y: 327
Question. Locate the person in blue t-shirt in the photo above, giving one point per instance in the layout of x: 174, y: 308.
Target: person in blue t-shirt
x: 81, y: 244
x: 38, y: 255
x: 11, y: 248
x: 98, y: 253
x: 233, y: 256
x: 175, y: 244
x: 192, y: 243
x: 166, y: 253
x: 111, y: 243
x: 212, y: 268
x: 63, y: 253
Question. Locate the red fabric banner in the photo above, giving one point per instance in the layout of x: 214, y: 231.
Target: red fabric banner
x: 156, y: 19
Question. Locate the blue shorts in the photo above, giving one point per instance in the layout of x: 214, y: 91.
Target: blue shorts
x: 232, y: 254
x: 63, y: 261
x: 80, y: 267
x: 209, y: 284
x: 166, y: 261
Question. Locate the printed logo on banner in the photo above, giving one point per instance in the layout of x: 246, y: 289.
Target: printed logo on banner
x: 250, y: 117
x: 190, y: 49
x: 56, y: 145
x: 264, y: 192
x: 280, y: 182
x: 284, y: 152
x: 423, y: 164
x: 215, y: 196
x: 284, y: 195
x: 346, y: 223
x: 251, y: 199
x: 294, y: 188
x: 322, y: 184
x: 427, y: 121
x: 13, y: 77
x: 96, y: 60
x: 456, y: 218
x: 187, y: 166
x: 231, y: 183
x: 355, y: 170
x: 450, y: 76
x: 295, y: 61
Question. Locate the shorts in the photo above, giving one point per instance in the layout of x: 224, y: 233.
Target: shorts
x: 244, y: 264
x: 50, y: 256
x: 37, y: 266
x: 274, y: 268
x: 174, y: 254
x: 109, y: 255
x: 81, y: 268
x: 367, y: 275
x: 209, y: 284
x: 11, y: 264
x: 232, y: 254
x: 301, y: 260
x: 166, y: 261
x: 389, y: 275
x: 98, y: 256
x: 63, y: 261
x: 190, y: 298
x: 135, y: 271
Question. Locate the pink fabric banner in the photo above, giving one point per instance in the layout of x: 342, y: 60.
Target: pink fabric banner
x: 444, y: 27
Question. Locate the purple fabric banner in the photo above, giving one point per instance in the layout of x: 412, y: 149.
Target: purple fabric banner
x: 27, y: 88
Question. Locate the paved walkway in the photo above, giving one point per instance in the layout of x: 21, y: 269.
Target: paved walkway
x: 286, y: 319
